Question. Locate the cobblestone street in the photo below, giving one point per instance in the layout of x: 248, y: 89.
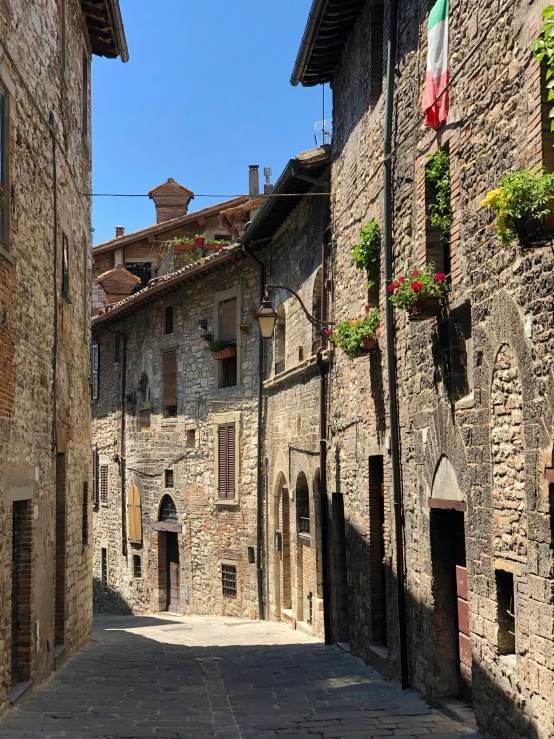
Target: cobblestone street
x: 197, y: 677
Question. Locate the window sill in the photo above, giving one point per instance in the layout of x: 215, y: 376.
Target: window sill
x: 226, y: 502
x: 291, y: 373
x: 6, y: 255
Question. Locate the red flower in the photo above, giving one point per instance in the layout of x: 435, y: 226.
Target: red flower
x: 401, y: 279
x: 417, y: 287
x: 328, y: 332
x: 415, y: 273
x: 391, y: 287
x: 440, y: 277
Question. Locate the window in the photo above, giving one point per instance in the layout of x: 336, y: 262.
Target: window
x: 94, y: 365
x: 85, y: 516
x: 280, y: 340
x: 437, y: 239
x: 377, y: 35
x: 168, y: 511
x: 377, y: 579
x: 303, y: 506
x: 229, y: 580
x: 300, y: 353
x: 84, y: 125
x: 134, y: 515
x: 95, y: 477
x: 228, y: 334
x: 137, y: 567
x: 104, y: 569
x: 144, y: 419
x: 4, y: 162
x: 65, y: 265
x: 506, y: 612
x: 226, y: 461
x: 169, y: 479
x: 103, y: 483
x: 191, y: 438
x: 222, y: 237
x: 455, y: 348
x: 169, y: 319
x: 546, y: 123
x: 170, y: 384
x: 142, y: 270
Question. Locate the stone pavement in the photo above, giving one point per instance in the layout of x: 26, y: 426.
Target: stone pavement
x: 197, y: 677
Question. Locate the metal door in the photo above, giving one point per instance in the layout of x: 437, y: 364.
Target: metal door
x: 464, y: 639
x: 173, y: 600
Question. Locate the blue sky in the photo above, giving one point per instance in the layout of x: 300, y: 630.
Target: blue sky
x: 206, y: 93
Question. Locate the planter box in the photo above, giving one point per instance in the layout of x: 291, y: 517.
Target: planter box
x: 183, y: 247
x: 427, y: 308
x: 226, y: 353
x: 214, y: 247
x: 537, y: 233
x: 369, y: 343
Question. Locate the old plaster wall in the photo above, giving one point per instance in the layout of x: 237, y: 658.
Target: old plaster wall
x: 29, y: 278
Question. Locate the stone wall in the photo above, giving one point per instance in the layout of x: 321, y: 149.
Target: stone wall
x: 498, y: 435
x: 210, y: 533
x: 42, y: 367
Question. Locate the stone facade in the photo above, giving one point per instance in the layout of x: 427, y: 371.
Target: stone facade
x: 473, y: 456
x: 45, y: 557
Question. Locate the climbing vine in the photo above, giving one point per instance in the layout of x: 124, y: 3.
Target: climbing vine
x: 543, y: 50
x: 366, y: 255
x: 437, y: 171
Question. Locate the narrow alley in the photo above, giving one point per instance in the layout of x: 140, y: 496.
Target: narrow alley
x: 199, y: 677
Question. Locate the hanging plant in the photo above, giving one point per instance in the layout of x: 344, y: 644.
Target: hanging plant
x: 366, y: 255
x: 521, y: 204
x: 543, y: 50
x: 356, y: 335
x: 439, y: 213
x: 419, y: 292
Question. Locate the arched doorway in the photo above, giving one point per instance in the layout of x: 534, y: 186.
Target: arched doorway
x: 283, y: 570
x: 305, y: 567
x: 169, y: 556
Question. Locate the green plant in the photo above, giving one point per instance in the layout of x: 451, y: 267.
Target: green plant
x: 522, y: 197
x: 351, y: 335
x: 217, y: 345
x: 437, y: 171
x: 221, y: 242
x: 366, y: 255
x: 183, y: 240
x: 543, y: 50
x: 418, y: 285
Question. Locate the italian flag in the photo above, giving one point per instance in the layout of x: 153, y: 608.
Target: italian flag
x: 435, y: 100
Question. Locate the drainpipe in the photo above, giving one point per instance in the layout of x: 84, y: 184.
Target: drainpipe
x: 391, y: 350
x: 324, y: 503
x: 260, y: 485
x: 122, y: 445
x: 51, y: 122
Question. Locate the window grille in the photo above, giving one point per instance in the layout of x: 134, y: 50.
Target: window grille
x: 168, y: 511
x: 169, y: 478
x: 229, y: 580
x: 104, y: 483
x: 137, y: 566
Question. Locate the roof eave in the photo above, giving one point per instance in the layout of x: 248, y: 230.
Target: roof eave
x: 310, y: 34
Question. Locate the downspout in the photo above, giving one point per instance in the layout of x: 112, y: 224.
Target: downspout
x: 122, y: 445
x: 324, y: 503
x: 51, y: 122
x: 260, y: 478
x: 391, y: 349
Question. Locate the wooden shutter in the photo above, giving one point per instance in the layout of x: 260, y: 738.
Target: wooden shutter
x: 170, y: 379
x: 95, y: 477
x: 94, y: 362
x: 228, y: 320
x: 226, y: 460
x: 134, y: 514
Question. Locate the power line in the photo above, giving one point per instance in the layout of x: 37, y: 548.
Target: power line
x: 259, y: 197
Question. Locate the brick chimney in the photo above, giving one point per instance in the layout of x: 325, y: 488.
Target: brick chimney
x: 171, y: 200
x: 119, y: 231
x: 254, y: 181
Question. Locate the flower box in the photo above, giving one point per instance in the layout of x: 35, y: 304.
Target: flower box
x: 369, y: 344
x: 214, y: 247
x: 183, y: 247
x: 427, y: 308
x: 227, y: 353
x: 537, y: 233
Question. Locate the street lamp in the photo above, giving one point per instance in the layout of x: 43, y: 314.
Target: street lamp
x: 267, y: 315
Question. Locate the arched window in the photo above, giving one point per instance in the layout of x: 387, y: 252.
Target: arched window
x: 168, y: 512
x: 316, y: 310
x: 302, y: 505
x: 280, y: 339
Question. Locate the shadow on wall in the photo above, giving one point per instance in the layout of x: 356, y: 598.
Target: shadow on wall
x: 376, y: 362
x: 107, y: 600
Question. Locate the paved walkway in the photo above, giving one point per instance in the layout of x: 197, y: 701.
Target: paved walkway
x: 193, y: 678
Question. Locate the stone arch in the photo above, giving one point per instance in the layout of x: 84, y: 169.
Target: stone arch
x: 508, y: 455
x: 445, y: 482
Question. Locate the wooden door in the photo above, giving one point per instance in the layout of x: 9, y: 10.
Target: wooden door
x: 173, y: 601
x: 464, y: 639
x: 15, y: 597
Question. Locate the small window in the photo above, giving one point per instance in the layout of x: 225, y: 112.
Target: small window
x: 191, y: 438
x: 84, y: 126
x: 137, y: 567
x: 65, y: 265
x: 104, y: 483
x: 85, y: 516
x: 228, y: 334
x: 170, y: 384
x: 168, y: 511
x: 142, y: 270
x: 229, y: 580
x: 94, y: 365
x: 104, y: 569
x: 144, y: 419
x: 222, y: 237
x: 169, y: 318
x: 506, y: 612
x: 300, y: 353
x: 169, y: 479
x: 226, y: 461
x: 437, y: 210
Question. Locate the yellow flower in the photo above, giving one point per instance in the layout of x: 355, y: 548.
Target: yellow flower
x: 493, y: 198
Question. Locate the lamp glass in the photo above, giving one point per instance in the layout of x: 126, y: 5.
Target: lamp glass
x: 267, y: 324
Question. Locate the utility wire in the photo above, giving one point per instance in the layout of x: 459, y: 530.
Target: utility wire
x: 258, y: 197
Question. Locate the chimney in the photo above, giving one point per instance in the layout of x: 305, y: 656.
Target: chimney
x: 254, y: 181
x: 119, y: 231
x: 171, y: 199
x: 268, y: 187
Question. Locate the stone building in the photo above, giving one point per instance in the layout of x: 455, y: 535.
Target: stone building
x: 175, y: 424
x: 474, y: 383
x: 45, y: 230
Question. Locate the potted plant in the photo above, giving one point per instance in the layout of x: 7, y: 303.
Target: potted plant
x: 366, y: 255
x: 183, y: 244
x: 420, y: 292
x: 523, y: 207
x: 215, y: 244
x: 359, y: 334
x: 199, y: 240
x: 221, y: 350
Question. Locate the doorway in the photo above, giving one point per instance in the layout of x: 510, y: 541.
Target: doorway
x: 21, y: 592
x: 286, y: 589
x: 452, y: 658
x: 172, y: 554
x: 341, y: 628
